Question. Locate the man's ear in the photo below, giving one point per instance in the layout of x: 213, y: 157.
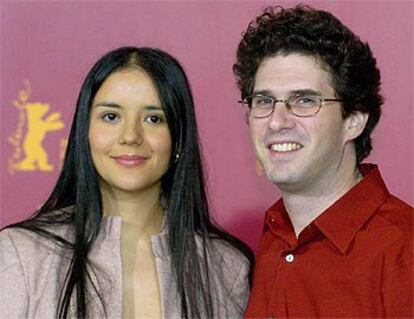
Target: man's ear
x: 259, y: 168
x: 246, y: 118
x: 355, y: 124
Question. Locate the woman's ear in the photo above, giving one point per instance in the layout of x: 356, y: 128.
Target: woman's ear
x: 355, y: 124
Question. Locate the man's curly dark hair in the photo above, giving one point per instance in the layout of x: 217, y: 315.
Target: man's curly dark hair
x: 304, y: 30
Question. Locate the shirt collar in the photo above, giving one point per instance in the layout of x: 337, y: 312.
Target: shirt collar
x: 342, y: 220
x: 278, y: 222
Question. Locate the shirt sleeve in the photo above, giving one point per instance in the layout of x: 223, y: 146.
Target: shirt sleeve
x: 13, y: 293
x: 397, y: 290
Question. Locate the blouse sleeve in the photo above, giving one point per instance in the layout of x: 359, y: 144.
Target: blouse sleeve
x: 239, y: 295
x: 13, y: 293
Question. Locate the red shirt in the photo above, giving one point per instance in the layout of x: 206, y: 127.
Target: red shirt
x: 353, y: 260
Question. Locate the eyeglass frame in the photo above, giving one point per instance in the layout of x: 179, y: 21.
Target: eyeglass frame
x: 286, y: 102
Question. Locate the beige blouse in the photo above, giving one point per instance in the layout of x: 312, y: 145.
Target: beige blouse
x: 32, y: 271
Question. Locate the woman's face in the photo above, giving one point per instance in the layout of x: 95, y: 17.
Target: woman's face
x: 129, y: 137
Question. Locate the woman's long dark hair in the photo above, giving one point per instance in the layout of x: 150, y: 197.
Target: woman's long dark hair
x: 182, y: 186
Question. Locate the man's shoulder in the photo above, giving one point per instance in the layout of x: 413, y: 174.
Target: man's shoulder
x: 392, y: 229
x: 397, y: 214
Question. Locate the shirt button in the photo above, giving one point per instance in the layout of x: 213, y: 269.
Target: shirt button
x: 289, y: 258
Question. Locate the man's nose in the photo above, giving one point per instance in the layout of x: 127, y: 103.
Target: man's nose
x: 281, y: 118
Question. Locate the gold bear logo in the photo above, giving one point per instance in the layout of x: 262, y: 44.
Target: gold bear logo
x: 38, y: 125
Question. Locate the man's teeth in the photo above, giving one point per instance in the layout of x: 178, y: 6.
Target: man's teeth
x: 285, y: 147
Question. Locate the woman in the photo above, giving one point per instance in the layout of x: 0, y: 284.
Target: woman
x: 126, y: 230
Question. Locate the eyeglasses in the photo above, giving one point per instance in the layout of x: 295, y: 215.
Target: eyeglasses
x: 261, y: 106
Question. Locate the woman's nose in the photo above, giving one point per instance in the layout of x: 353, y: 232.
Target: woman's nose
x: 131, y: 133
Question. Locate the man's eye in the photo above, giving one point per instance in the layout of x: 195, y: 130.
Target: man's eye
x: 110, y: 117
x: 263, y: 101
x: 306, y: 101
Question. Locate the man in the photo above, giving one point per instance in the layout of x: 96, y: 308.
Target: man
x: 337, y: 243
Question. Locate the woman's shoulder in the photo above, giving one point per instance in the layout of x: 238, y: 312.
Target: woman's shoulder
x: 33, y: 268
x: 228, y: 253
x: 24, y: 244
x: 11, y: 235
x: 34, y: 240
x: 229, y: 270
x: 20, y: 251
x: 16, y: 238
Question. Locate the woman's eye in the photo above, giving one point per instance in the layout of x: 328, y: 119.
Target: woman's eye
x: 110, y: 117
x: 153, y: 119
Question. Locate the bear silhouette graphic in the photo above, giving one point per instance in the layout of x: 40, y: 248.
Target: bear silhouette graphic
x: 36, y: 157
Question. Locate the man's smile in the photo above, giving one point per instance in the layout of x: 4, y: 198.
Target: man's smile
x: 285, y: 147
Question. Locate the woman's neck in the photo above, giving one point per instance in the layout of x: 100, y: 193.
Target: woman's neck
x: 141, y: 212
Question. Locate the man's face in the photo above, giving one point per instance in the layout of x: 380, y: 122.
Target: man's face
x: 299, y: 154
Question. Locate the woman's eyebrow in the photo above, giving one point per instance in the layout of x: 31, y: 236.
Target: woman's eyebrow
x: 115, y: 105
x: 153, y: 108
x: 107, y: 104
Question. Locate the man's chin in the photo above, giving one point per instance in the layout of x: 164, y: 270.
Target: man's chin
x: 280, y: 178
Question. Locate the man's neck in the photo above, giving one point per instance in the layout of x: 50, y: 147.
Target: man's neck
x: 304, y: 207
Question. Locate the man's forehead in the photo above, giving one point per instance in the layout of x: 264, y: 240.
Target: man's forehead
x: 296, y: 92
x: 292, y: 72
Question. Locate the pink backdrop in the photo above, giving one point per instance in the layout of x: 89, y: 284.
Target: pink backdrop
x: 51, y: 45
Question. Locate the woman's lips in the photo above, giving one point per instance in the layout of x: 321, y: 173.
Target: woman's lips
x: 130, y: 160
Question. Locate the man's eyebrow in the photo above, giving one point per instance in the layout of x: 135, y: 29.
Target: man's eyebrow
x: 263, y: 92
x: 291, y: 93
x: 306, y: 92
